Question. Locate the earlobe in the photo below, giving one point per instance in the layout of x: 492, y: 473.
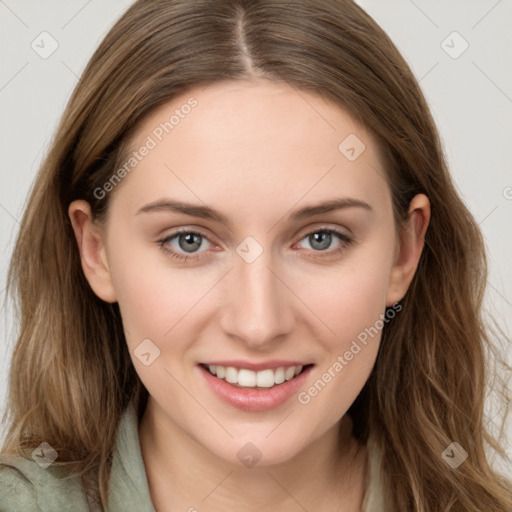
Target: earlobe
x: 90, y: 240
x: 411, y: 243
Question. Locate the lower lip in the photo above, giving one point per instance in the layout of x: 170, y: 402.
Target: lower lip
x: 255, y: 399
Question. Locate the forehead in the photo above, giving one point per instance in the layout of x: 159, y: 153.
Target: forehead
x: 238, y: 145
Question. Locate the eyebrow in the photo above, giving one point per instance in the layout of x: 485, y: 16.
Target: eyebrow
x: 205, y: 212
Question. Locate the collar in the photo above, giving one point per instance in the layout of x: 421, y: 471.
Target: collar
x: 129, y: 490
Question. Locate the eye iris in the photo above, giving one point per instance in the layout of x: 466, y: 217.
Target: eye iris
x: 192, y: 241
x: 322, y: 237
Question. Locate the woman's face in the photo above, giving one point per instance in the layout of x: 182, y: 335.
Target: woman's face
x: 286, y: 261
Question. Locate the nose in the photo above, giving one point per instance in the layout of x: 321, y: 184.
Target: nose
x: 258, y: 307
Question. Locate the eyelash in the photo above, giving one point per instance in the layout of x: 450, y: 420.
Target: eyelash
x: 345, y: 239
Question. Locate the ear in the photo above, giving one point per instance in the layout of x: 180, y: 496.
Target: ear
x: 90, y: 239
x: 410, y: 244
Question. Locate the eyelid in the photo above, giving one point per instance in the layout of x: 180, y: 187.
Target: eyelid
x: 344, y: 238
x: 344, y: 232
x: 162, y: 243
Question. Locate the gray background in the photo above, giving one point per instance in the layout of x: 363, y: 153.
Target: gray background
x: 470, y: 95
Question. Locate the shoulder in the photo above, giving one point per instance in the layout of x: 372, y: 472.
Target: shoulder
x: 16, y: 491
x: 26, y: 486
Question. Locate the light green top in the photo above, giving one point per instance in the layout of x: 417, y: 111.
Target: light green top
x: 25, y: 486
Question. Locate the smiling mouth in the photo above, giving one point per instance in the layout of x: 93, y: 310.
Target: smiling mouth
x: 263, y: 379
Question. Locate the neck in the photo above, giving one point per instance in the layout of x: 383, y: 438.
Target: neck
x: 183, y: 475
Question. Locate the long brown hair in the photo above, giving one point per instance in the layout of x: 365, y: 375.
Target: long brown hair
x: 71, y: 375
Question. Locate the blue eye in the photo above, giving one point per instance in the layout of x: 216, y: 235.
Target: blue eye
x: 321, y: 240
x: 185, y: 245
x: 188, y: 243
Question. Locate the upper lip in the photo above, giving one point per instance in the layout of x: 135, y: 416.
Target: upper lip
x: 267, y: 365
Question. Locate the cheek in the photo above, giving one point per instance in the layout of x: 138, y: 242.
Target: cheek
x: 158, y: 306
x: 351, y: 302
x: 152, y: 296
x: 349, y: 297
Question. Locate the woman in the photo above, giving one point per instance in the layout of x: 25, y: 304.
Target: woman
x: 246, y: 280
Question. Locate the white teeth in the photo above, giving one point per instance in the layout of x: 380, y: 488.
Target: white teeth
x: 279, y: 376
x: 289, y: 372
x: 231, y: 375
x: 247, y: 378
x: 250, y: 379
x: 265, y: 379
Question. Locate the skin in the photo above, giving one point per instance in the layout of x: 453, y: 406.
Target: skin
x: 255, y: 151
